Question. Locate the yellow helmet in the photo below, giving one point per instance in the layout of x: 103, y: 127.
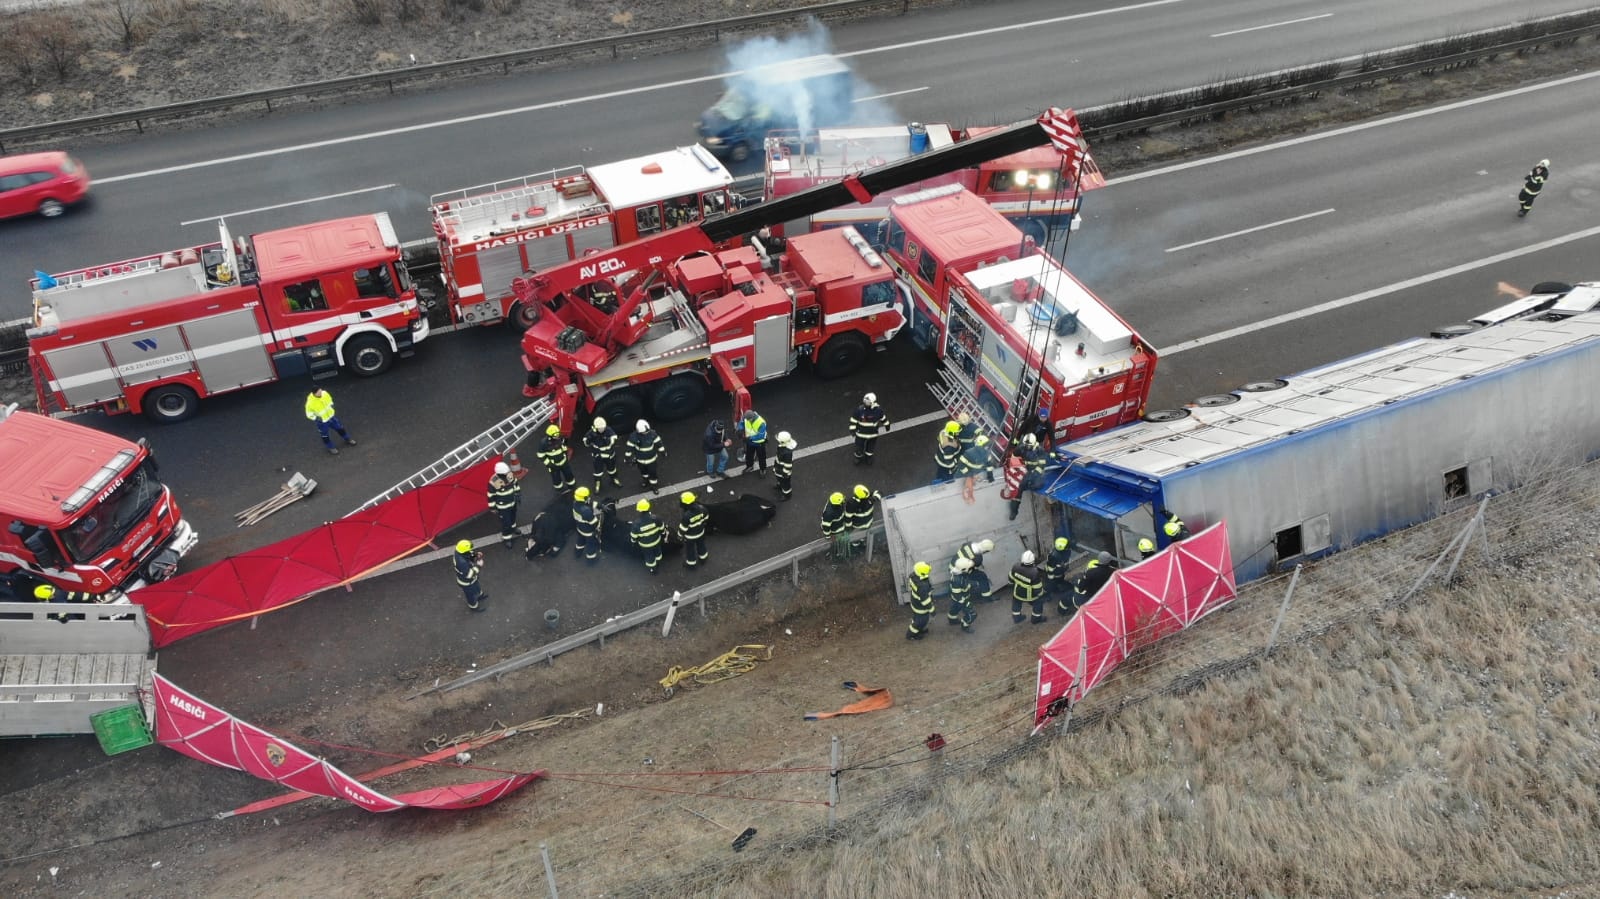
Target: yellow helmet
x: 953, y: 427
x: 553, y: 430
x: 1061, y: 543
x: 688, y: 497
x: 581, y: 494
x: 464, y: 546
x: 642, y: 505
x: 836, y: 499
x: 862, y: 492
x: 923, y: 569
x: 44, y: 592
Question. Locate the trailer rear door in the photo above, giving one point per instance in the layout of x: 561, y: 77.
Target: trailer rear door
x: 1100, y: 516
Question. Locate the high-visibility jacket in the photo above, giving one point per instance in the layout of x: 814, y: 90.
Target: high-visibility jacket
x: 869, y: 421
x: 1056, y: 563
x: 647, y: 531
x: 1036, y: 459
x: 466, y: 569
x: 1534, y: 182
x: 968, y: 434
x: 947, y: 454
x: 586, y: 518
x: 858, y: 511
x: 974, y: 460
x: 61, y: 595
x: 1174, y: 528
x: 601, y: 444
x: 835, y: 520
x: 1027, y: 585
x: 319, y: 408
x: 1093, y: 578
x: 967, y: 552
x: 553, y: 452
x: 645, y: 448
x: 961, y: 586
x: 693, y: 524
x: 504, y: 491
x: 921, y: 590
x: 755, y: 430
x: 785, y: 464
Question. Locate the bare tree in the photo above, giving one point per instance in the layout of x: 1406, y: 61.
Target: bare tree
x: 20, y: 49
x: 125, y: 19
x: 61, y: 41
x: 367, y: 12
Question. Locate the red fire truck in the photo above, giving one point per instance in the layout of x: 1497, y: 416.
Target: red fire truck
x: 1024, y: 186
x: 85, y: 510
x: 158, y: 333
x: 1024, y: 342
x: 493, y: 233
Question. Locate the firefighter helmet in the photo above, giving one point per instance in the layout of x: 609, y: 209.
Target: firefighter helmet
x: 599, y: 423
x: 1146, y: 545
x: 1061, y: 543
x: 1027, y: 557
x: 1544, y: 163
x: 687, y: 497
x: 44, y: 593
x: 1103, y: 558
x: 870, y: 399
x: 642, y: 426
x: 923, y: 569
x: 861, y: 491
x: 501, y: 468
x: 986, y: 545
x: 980, y: 440
x: 553, y: 431
x: 836, y: 499
x: 642, y: 505
x: 464, y: 546
x: 581, y: 494
x: 784, y: 440
x: 1030, y: 440
x: 963, y: 564
x: 964, y: 418
x: 953, y: 427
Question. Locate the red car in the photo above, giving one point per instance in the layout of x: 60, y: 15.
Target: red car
x: 46, y: 183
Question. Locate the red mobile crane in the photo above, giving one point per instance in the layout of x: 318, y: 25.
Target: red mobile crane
x: 648, y: 326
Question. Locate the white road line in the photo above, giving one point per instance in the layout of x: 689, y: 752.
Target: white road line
x: 591, y: 98
x: 1376, y: 292
x: 913, y: 90
x: 1288, y: 221
x: 1351, y: 129
x: 229, y: 215
x: 1325, y: 15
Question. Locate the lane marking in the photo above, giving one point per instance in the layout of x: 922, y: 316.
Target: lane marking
x: 1351, y: 129
x: 229, y: 215
x: 1288, y: 221
x: 913, y: 90
x: 1325, y: 15
x: 1377, y: 292
x: 592, y: 98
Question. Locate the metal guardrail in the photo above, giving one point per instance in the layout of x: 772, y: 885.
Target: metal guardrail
x: 630, y: 620
x: 504, y: 61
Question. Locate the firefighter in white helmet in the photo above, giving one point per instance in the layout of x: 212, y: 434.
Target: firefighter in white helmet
x: 505, y: 491
x: 1027, y: 589
x: 784, y: 469
x: 869, y: 421
x: 601, y: 442
x: 645, y: 450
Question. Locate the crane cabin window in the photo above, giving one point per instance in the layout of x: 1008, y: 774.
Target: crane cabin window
x: 307, y: 296
x: 377, y: 281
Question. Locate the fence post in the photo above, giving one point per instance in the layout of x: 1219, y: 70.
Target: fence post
x: 833, y: 784
x: 1283, y: 609
x: 870, y: 542
x: 1434, y: 566
x: 1077, y: 684
x: 1466, y: 537
x: 672, y: 611
x: 549, y: 871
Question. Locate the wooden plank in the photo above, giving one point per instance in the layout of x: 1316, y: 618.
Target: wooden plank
x: 11, y: 672
x: 99, y: 673
x: 30, y: 670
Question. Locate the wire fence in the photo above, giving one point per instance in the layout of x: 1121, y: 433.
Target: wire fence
x: 889, y: 767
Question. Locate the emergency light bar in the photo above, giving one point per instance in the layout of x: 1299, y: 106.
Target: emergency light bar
x: 97, y: 482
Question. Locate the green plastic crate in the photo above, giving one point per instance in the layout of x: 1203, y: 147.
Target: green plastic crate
x: 121, y: 729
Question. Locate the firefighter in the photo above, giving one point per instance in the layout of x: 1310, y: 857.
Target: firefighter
x: 1027, y: 589
x: 469, y: 565
x: 586, y: 521
x: 921, y: 590
x: 1531, y: 187
x: 602, y: 443
x: 962, y: 583
x: 1035, y: 457
x: 553, y: 453
x: 947, y: 453
x: 319, y: 409
x: 974, y: 460
x: 504, y: 493
x: 1089, y: 583
x: 858, y: 508
x: 692, y: 530
x: 1056, y: 563
x: 966, y: 431
x: 48, y: 593
x: 647, y: 534
x: 645, y: 449
x: 835, y: 524
x: 865, y: 425
x: 783, y: 469
x: 1173, y: 527
x: 1147, y: 548
x: 973, y: 552
x: 755, y: 443
x: 1015, y: 475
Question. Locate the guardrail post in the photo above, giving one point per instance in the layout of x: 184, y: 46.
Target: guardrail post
x: 549, y: 870
x: 794, y: 571
x: 702, y: 601
x: 602, y: 639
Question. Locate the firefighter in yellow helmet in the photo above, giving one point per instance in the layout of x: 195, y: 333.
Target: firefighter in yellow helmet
x: 947, y: 453
x: 647, y: 534
x: 586, y: 521
x: 692, y: 530
x: 858, y: 508
x: 469, y: 565
x: 836, y: 524
x: 557, y: 460
x: 920, y: 589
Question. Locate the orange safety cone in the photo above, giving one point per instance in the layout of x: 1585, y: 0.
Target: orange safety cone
x: 515, y: 464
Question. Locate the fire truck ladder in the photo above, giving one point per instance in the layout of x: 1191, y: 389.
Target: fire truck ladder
x: 110, y: 271
x: 499, y: 438
x: 956, y: 394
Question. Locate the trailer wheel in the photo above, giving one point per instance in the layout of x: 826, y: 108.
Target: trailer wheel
x: 1263, y: 386
x: 679, y: 396
x: 171, y: 403
x: 1165, y: 415
x: 1445, y: 332
x: 621, y: 409
x: 523, y: 316
x: 842, y: 355
x: 367, y: 355
x: 1216, y: 399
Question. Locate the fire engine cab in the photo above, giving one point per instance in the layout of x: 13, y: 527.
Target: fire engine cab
x: 158, y: 333
x: 493, y: 233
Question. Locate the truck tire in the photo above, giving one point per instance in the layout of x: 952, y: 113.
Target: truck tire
x: 171, y: 403
x: 367, y: 355
x: 842, y: 355
x: 522, y: 316
x: 678, y: 397
x: 621, y: 409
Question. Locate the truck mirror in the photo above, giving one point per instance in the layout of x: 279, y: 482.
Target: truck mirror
x: 44, y: 551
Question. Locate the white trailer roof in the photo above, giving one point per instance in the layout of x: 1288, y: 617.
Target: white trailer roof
x: 838, y: 152
x: 1325, y: 395
x: 660, y: 176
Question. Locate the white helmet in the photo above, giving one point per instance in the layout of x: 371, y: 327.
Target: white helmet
x: 1027, y: 557
x: 986, y: 545
x: 1030, y: 440
x: 1544, y: 163
x: 501, y: 468
x: 963, y: 565
x: 870, y: 399
x: 599, y: 423
x: 642, y: 426
x: 784, y: 439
